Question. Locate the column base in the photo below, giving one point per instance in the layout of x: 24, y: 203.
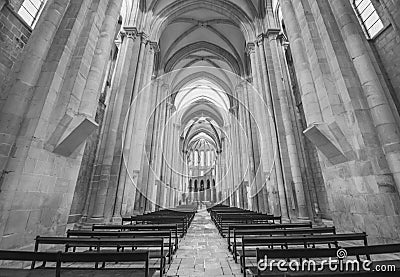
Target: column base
x: 303, y: 218
x: 117, y: 219
x: 95, y: 220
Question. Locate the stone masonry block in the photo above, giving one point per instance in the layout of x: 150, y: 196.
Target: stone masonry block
x: 16, y: 222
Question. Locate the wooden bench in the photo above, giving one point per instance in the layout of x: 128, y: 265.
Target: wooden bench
x: 318, y: 253
x: 276, y: 232
x: 118, y: 243
x: 180, y: 212
x: 181, y: 221
x: 141, y: 227
x: 284, y: 241
x: 267, y: 226
x: 215, y: 213
x: 224, y: 220
x: 58, y: 258
x: 166, y: 235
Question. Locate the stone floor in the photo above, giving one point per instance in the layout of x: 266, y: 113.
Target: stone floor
x: 203, y: 252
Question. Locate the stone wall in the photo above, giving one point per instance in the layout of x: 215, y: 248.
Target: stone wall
x: 14, y: 35
x: 55, y: 105
x: 16, y: 4
x: 386, y: 47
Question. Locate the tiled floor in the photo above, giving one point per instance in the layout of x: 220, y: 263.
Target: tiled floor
x: 203, y: 252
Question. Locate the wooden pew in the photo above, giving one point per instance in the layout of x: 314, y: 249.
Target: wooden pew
x: 284, y: 241
x: 214, y: 212
x: 141, y: 227
x: 318, y: 253
x: 100, y: 243
x: 276, y: 232
x: 166, y: 235
x: 59, y: 258
x: 180, y: 212
x: 267, y: 226
x: 181, y: 221
x: 224, y: 220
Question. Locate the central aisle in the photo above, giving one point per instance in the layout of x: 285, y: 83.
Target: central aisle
x: 203, y: 252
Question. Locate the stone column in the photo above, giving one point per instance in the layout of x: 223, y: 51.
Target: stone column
x: 287, y: 123
x: 175, y: 170
x: 126, y: 177
x: 255, y: 152
x: 218, y: 175
x: 92, y: 89
x: 237, y: 158
x: 263, y: 134
x: 224, y: 189
x: 230, y: 160
x: 152, y: 145
x: 120, y: 91
x: 244, y: 151
x: 149, y: 147
x: 142, y: 114
x: 160, y: 144
x: 274, y: 136
x: 382, y: 115
x: 247, y: 148
x: 308, y: 92
x: 14, y: 108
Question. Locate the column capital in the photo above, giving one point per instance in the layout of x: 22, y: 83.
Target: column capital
x: 260, y: 39
x: 283, y: 39
x: 154, y: 46
x: 129, y: 32
x: 273, y: 33
x: 144, y: 37
x: 250, y: 48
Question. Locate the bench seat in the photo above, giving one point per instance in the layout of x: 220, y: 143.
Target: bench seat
x: 73, y: 272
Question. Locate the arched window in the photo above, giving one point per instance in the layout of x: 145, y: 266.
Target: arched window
x: 201, y: 185
x: 202, y: 158
x: 196, y: 158
x: 208, y: 183
x: 190, y: 185
x: 369, y: 18
x: 195, y: 185
x: 31, y: 10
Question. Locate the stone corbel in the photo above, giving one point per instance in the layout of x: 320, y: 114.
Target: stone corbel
x: 234, y: 109
x: 330, y: 140
x: 250, y: 48
x: 283, y: 39
x: 273, y: 34
x: 70, y: 133
x: 154, y: 46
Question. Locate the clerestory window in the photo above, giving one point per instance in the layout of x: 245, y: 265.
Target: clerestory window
x: 369, y: 18
x: 31, y: 10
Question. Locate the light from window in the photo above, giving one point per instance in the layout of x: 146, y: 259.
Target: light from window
x: 30, y: 11
x: 369, y: 17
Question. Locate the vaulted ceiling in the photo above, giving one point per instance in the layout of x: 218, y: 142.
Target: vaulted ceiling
x: 200, y: 42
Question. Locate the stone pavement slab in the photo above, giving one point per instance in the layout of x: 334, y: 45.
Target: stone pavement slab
x: 203, y: 252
